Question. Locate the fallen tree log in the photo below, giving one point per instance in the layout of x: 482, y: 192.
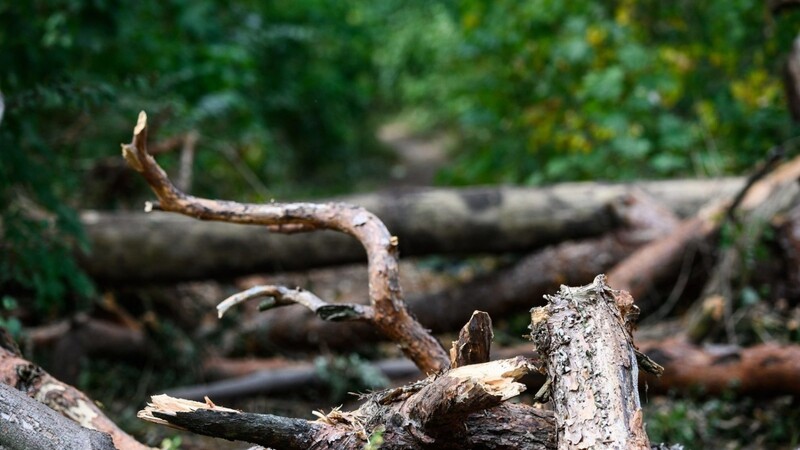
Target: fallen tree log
x: 584, y: 336
x: 60, y: 397
x: 765, y: 369
x: 660, y: 260
x: 516, y: 288
x: 134, y: 247
x: 27, y: 424
x: 462, y: 408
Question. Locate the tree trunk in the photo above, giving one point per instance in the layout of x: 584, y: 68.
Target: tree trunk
x: 583, y: 335
x: 134, y: 247
x: 26, y: 424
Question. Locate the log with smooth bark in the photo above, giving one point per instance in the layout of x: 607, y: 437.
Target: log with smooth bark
x: 387, y: 313
x: 764, y: 369
x: 134, y: 247
x: 26, y: 424
x: 62, y: 398
x: 462, y: 408
x: 583, y: 337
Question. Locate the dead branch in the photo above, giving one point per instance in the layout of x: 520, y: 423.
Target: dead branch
x: 428, y: 414
x: 583, y: 335
x: 641, y: 219
x: 62, y: 398
x: 391, y: 316
x: 261, y: 376
x: 282, y: 296
x: 660, y: 259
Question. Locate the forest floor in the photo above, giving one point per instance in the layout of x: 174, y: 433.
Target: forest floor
x: 694, y: 420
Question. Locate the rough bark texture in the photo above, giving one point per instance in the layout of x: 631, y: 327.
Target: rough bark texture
x: 390, y: 316
x: 462, y: 408
x: 584, y: 340
x: 26, y: 424
x: 136, y: 247
x: 62, y: 398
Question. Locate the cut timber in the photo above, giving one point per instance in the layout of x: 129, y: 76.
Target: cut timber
x: 133, y: 247
x: 62, y: 398
x: 26, y: 424
x: 766, y: 369
x: 583, y: 336
x: 462, y: 408
x: 659, y: 260
x: 504, y: 292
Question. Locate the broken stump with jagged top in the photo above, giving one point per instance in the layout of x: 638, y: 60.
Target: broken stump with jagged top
x: 584, y: 337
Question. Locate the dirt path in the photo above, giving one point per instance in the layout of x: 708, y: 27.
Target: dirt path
x: 419, y: 156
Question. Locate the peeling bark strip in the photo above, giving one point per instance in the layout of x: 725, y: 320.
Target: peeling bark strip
x: 462, y: 408
x: 390, y: 317
x: 585, y: 342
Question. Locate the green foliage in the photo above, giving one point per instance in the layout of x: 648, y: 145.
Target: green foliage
x: 171, y: 443
x: 283, y: 94
x: 546, y: 91
x: 7, y: 321
x: 717, y: 423
x: 286, y: 96
x: 375, y: 440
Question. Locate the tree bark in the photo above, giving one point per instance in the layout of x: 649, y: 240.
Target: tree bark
x: 62, y: 398
x: 462, y: 408
x: 516, y: 288
x: 26, y: 424
x: 134, y: 247
x: 659, y: 260
x: 765, y: 369
x: 583, y: 335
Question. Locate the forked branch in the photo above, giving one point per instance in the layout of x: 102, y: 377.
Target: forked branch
x: 391, y: 317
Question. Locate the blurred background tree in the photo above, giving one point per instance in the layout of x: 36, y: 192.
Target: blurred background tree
x: 287, y: 95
